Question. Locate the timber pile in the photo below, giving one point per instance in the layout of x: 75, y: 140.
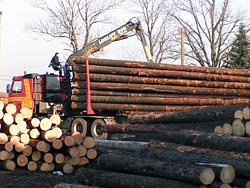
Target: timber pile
x: 141, y: 87
x: 40, y: 144
x: 239, y: 126
x: 126, y: 164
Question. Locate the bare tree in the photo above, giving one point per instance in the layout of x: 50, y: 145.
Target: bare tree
x: 73, y: 20
x: 155, y: 17
x: 209, y: 27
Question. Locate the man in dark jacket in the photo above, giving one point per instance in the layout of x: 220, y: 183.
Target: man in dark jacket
x: 56, y: 65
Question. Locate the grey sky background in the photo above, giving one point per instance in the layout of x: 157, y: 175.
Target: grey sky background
x: 23, y: 51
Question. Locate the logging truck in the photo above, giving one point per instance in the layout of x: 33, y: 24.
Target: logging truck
x: 48, y: 94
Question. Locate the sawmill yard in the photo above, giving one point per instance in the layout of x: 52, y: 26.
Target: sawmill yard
x: 184, y: 127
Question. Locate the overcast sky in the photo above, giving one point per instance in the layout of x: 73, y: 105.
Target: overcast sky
x: 24, y: 51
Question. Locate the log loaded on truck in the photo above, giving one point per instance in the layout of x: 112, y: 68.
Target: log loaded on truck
x: 48, y: 94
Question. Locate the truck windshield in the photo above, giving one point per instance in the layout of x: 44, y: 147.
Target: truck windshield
x: 17, y: 87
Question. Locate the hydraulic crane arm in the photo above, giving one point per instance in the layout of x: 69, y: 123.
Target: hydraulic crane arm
x: 115, y: 35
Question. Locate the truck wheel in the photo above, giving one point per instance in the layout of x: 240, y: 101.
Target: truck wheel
x: 79, y: 125
x: 96, y: 130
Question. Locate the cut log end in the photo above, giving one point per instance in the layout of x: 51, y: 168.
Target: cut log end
x: 22, y: 160
x: 57, y: 144
x: 238, y: 128
x: 14, y: 140
x: 218, y: 130
x: 78, y: 137
x: 55, y: 119
x: 9, y: 165
x: 8, y: 146
x: 207, y: 176
x: 3, y: 138
x: 32, y: 166
x: 69, y: 141
x: 68, y: 169
x: 89, y: 142
x: 11, y: 109
x: 238, y: 115
x: 27, y: 151
x: 36, y: 155
x: 227, y: 129
x: 59, y: 158
x: 227, y: 174
x: 91, y: 154
x: 246, y: 113
x: 35, y: 122
x: 48, y: 158
x: 47, y: 167
x: 45, y: 124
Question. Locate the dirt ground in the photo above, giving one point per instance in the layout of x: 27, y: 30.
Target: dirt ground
x: 23, y: 178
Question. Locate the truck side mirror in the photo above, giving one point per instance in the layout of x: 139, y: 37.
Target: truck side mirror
x: 8, y: 88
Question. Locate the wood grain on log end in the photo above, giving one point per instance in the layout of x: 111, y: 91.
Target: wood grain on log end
x: 207, y: 176
x: 227, y: 174
x: 32, y: 166
x: 238, y: 128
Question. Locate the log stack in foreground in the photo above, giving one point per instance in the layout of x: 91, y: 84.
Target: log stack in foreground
x: 39, y: 144
x: 124, y: 86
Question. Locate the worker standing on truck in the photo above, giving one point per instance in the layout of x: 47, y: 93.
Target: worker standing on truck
x: 56, y: 65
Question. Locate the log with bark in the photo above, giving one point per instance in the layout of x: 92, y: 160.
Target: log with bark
x: 109, y: 86
x: 109, y: 179
x: 195, y: 150
x: 162, y: 81
x: 140, y: 166
x: 242, y: 167
x: 204, y: 115
x: 198, y: 138
x: 159, y: 73
x: 136, y: 64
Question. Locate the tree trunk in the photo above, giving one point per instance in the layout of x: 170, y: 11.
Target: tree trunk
x: 196, y: 138
x: 122, y: 145
x: 135, y: 64
x: 109, y: 86
x: 197, y: 150
x: 200, y: 115
x: 131, y: 107
x: 159, y: 73
x: 140, y: 166
x: 155, y: 128
x: 109, y: 179
x: 241, y: 167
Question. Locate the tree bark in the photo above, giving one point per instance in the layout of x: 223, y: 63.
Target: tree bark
x: 109, y: 179
x: 136, y: 107
x: 136, y: 64
x: 163, y: 81
x: 140, y: 166
x: 109, y: 86
x: 241, y: 167
x: 201, y: 115
x: 159, y: 73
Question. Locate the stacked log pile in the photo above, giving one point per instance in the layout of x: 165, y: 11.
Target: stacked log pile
x: 139, y: 87
x: 239, y: 126
x: 155, y: 140
x: 123, y: 163
x: 40, y: 144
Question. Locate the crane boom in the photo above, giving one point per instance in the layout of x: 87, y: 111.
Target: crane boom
x: 115, y: 35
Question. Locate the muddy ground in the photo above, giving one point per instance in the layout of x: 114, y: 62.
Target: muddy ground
x: 23, y: 178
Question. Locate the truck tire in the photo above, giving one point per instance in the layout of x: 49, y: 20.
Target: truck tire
x: 79, y: 125
x: 95, y: 130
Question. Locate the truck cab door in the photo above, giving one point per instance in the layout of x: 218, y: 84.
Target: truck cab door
x: 21, y: 93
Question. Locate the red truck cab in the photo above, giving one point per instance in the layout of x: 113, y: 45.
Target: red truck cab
x: 21, y: 92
